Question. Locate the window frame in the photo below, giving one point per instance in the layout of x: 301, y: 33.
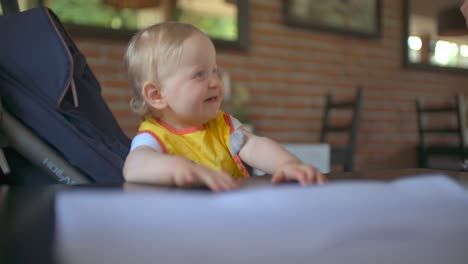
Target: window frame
x: 407, y: 63
x: 241, y: 43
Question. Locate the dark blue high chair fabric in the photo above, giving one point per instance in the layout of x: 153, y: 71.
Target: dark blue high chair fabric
x: 46, y: 83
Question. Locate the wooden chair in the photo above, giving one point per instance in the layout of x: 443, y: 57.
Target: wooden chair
x: 342, y: 155
x: 442, y: 135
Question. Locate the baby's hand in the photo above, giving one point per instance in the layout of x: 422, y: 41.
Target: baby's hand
x: 197, y: 175
x: 303, y: 173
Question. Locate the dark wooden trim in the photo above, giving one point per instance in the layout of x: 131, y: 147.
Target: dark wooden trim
x: 405, y: 30
x: 433, y: 68
x: 9, y: 6
x: 99, y: 32
x: 243, y: 19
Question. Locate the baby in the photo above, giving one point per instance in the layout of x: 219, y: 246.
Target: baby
x: 185, y: 138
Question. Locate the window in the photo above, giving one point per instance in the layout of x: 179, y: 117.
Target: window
x: 427, y: 44
x: 223, y: 20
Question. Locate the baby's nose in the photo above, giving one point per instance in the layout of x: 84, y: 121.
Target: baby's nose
x: 214, y: 80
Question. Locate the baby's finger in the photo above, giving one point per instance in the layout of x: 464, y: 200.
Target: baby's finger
x: 321, y: 179
x: 189, y: 178
x: 211, y: 182
x: 314, y: 175
x: 297, y: 174
x: 227, y: 182
x: 301, y: 177
x: 278, y: 177
x: 310, y: 174
x: 181, y: 180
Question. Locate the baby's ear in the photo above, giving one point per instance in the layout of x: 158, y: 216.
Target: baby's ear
x: 153, y: 97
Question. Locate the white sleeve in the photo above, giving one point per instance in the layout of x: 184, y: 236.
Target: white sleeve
x: 235, y: 123
x: 146, y: 139
x: 236, y: 140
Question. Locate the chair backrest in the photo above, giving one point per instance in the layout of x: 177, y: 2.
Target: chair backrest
x: 57, y: 98
x: 441, y: 131
x: 342, y: 155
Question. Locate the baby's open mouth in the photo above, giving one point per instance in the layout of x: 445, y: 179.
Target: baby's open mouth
x: 212, y: 99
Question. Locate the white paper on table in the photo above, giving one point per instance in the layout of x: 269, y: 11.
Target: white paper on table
x: 412, y: 220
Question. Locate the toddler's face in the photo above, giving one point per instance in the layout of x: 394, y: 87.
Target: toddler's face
x: 193, y: 90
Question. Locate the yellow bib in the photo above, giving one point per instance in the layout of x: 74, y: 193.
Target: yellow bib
x: 209, y: 145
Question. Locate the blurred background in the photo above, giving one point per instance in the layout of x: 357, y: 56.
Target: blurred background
x: 280, y: 59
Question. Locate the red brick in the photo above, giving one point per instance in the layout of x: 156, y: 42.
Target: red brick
x: 290, y: 70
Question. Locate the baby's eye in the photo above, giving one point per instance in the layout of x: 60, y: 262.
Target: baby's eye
x: 215, y: 70
x: 200, y: 75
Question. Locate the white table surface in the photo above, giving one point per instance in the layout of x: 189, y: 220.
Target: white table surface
x: 413, y: 220
x: 317, y: 155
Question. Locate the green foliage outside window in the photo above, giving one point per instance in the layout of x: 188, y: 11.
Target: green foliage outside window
x: 215, y: 26
x: 96, y: 13
x: 93, y: 13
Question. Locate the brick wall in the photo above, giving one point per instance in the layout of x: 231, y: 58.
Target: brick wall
x: 288, y: 72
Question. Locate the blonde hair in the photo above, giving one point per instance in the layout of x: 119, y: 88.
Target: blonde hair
x: 147, y: 54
